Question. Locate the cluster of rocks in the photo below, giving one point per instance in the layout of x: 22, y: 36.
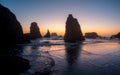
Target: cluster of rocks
x: 116, y: 36
x: 91, y: 35
x: 73, y: 31
x: 54, y: 34
x: 35, y: 33
x: 12, y: 34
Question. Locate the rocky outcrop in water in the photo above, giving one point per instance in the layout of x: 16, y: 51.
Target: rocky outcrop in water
x: 54, y: 34
x: 91, y: 35
x: 11, y: 31
x: 73, y: 31
x: 35, y: 31
x: 47, y: 34
x: 116, y: 36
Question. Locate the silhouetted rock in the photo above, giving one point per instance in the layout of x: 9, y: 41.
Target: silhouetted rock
x: 10, y: 34
x: 73, y: 31
x: 47, y: 34
x: 116, y: 36
x: 27, y: 37
x: 35, y: 31
x: 54, y: 34
x: 10, y: 31
x: 13, y: 65
x: 91, y: 35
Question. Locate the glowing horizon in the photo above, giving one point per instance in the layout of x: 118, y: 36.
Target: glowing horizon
x: 61, y: 32
x: 101, y: 16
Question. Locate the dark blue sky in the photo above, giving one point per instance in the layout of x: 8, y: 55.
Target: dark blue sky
x: 102, y: 16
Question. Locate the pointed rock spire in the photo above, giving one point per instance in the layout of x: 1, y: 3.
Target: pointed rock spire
x: 73, y: 31
x: 47, y: 34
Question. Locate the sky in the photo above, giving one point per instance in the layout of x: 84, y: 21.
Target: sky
x: 101, y: 16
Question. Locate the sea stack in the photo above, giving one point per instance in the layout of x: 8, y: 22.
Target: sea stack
x: 73, y: 31
x: 35, y: 31
x: 47, y: 34
x: 11, y: 32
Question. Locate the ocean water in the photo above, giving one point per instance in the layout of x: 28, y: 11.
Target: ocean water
x: 91, y: 57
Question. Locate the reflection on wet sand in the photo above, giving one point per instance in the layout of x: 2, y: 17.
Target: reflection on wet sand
x: 72, y: 53
x: 92, y: 57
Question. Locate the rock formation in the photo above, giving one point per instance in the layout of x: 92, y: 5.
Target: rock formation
x: 10, y: 31
x: 10, y: 34
x: 27, y: 37
x: 73, y: 31
x: 91, y: 35
x: 47, y: 34
x: 116, y: 36
x: 54, y: 34
x: 35, y: 31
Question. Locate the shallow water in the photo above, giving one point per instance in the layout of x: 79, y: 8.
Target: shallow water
x: 91, y: 57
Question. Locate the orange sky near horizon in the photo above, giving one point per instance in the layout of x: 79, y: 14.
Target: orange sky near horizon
x: 61, y: 31
x: 103, y: 27
x: 101, y: 16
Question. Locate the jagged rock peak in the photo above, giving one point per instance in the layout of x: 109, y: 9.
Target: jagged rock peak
x: 73, y: 31
x: 70, y: 16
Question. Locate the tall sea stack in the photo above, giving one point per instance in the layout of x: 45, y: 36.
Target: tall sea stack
x: 73, y: 31
x: 35, y: 31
